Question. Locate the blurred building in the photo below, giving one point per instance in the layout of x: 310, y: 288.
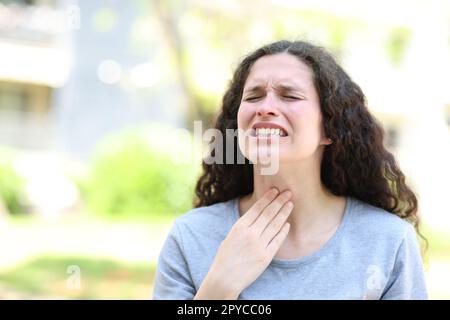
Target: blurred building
x: 34, y: 62
x: 73, y: 71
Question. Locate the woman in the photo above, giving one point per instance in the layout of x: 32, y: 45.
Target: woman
x: 335, y: 221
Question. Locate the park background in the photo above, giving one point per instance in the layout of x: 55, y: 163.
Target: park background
x: 97, y: 105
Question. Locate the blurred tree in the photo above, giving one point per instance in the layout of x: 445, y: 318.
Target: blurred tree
x: 169, y: 13
x: 206, y: 41
x: 137, y: 173
x: 397, y: 44
x: 11, y: 184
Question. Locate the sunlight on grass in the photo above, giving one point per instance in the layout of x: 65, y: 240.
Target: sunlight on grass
x: 47, y: 277
x: 117, y: 258
x: 437, y: 263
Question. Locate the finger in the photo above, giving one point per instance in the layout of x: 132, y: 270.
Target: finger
x: 277, y: 223
x: 276, y: 242
x: 249, y: 217
x: 271, y: 211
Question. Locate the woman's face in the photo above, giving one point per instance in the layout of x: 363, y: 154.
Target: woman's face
x: 279, y: 93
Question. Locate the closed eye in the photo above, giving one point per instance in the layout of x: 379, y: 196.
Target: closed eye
x: 292, y: 98
x: 285, y: 97
x: 252, y: 99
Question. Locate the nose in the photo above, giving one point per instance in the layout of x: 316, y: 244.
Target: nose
x: 267, y: 108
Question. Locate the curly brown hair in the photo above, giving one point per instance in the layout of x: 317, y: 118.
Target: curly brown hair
x: 356, y: 164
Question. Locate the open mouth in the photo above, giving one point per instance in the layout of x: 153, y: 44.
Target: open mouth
x: 268, y: 132
x: 267, y: 129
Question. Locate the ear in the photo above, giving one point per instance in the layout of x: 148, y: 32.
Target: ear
x: 327, y: 141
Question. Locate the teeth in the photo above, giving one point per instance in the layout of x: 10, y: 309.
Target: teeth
x: 269, y: 131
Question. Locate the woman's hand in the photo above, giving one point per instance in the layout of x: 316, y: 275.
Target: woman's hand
x: 249, y: 247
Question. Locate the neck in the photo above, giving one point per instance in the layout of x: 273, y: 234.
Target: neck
x: 315, y: 207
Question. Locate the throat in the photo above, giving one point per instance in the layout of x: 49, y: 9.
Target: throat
x: 299, y: 247
x: 304, y: 240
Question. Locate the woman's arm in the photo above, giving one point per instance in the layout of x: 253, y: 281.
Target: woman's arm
x: 212, y: 289
x: 407, y: 280
x: 172, y: 279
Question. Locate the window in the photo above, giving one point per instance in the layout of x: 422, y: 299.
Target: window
x: 21, y: 97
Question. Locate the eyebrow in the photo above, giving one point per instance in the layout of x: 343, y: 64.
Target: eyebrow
x: 282, y: 87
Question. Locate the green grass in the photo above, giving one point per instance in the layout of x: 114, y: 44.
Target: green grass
x: 82, y: 217
x: 47, y: 277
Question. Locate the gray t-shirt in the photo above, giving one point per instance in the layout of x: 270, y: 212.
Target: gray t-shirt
x: 372, y: 255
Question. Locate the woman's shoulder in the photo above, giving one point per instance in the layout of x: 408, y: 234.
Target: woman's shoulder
x: 377, y: 223
x: 209, y: 217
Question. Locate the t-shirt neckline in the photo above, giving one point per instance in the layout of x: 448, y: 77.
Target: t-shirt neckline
x: 332, y: 242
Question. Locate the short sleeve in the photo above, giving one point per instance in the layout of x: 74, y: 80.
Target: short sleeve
x: 172, y: 278
x: 407, y: 279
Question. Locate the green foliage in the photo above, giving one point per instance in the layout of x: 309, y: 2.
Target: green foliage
x: 11, y: 184
x: 143, y: 171
x: 397, y: 44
